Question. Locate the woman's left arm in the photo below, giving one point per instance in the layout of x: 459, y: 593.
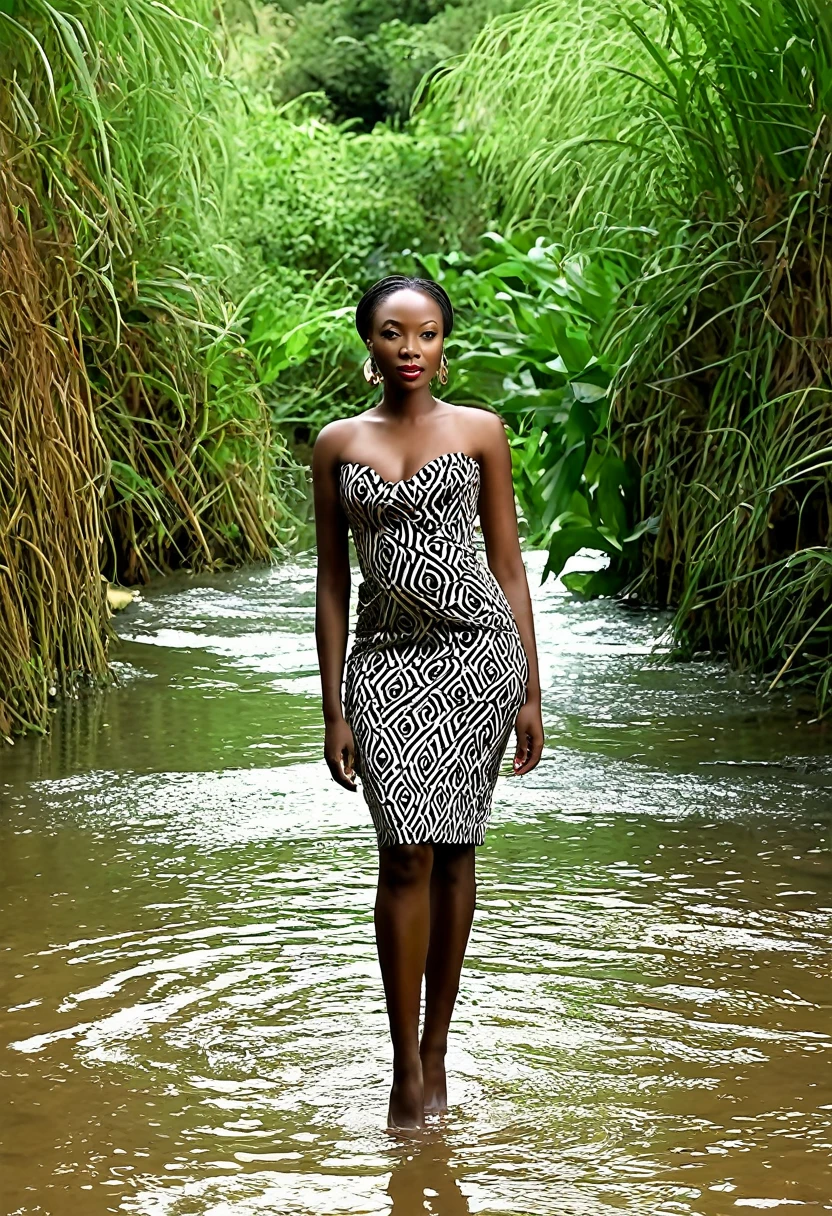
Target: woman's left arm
x: 498, y: 519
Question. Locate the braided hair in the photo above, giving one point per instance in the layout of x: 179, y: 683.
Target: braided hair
x: 379, y: 292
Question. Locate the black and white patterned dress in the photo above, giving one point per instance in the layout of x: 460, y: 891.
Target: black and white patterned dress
x: 437, y: 671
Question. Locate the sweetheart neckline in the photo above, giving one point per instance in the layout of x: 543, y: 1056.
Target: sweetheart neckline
x: 401, y: 481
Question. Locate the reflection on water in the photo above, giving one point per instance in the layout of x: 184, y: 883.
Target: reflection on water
x: 191, y: 1013
x: 423, y: 1180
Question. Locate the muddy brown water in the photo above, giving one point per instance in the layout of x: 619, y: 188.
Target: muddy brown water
x: 192, y: 1019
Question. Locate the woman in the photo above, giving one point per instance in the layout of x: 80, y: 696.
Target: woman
x: 444, y: 662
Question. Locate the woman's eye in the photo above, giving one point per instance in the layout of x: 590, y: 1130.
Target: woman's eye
x: 430, y: 334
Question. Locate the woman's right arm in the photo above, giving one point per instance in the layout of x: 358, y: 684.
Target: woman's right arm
x: 332, y: 600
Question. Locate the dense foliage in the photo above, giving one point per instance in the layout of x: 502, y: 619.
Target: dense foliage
x: 369, y: 59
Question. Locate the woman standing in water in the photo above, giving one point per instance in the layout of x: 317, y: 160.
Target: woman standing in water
x: 444, y: 662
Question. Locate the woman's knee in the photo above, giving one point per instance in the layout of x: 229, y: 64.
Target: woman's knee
x: 454, y: 863
x: 405, y: 865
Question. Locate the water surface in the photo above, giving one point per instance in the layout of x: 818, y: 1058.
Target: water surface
x: 192, y: 1019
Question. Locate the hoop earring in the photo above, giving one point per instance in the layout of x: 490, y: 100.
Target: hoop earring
x: 371, y: 373
x: 443, y: 369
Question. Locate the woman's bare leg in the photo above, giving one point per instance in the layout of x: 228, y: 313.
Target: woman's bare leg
x: 402, y: 921
x: 453, y: 893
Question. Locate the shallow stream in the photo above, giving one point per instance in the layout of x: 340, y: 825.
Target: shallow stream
x: 191, y: 1016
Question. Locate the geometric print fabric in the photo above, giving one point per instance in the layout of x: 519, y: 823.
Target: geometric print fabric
x: 437, y: 671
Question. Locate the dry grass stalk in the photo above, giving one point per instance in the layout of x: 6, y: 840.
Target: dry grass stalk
x: 53, y: 631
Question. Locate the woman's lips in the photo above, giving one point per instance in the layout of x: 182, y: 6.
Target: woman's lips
x: 410, y: 373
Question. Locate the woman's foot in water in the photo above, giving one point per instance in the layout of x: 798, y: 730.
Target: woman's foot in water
x: 435, y: 1085
x: 406, y: 1111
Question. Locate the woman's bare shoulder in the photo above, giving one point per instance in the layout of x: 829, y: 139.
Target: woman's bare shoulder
x: 481, y: 429
x: 333, y: 439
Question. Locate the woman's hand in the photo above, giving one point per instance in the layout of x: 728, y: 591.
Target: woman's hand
x: 529, y: 728
x: 339, y: 752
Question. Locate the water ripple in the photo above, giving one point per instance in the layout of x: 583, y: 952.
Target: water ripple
x: 193, y: 1016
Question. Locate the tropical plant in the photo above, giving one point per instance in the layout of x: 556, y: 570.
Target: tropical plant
x: 528, y: 341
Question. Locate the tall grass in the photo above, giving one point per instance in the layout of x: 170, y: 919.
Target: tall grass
x: 135, y: 439
x: 52, y: 464
x: 690, y: 141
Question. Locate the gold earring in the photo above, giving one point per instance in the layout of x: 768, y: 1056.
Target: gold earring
x: 371, y: 373
x: 443, y: 369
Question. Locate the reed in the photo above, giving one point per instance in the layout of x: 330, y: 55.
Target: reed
x: 52, y: 467
x: 134, y: 437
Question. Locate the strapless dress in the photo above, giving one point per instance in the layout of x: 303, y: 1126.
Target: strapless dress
x: 437, y: 670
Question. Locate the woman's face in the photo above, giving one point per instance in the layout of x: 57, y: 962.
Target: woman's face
x: 407, y: 334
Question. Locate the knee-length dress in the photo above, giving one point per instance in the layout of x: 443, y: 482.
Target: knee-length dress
x: 437, y: 671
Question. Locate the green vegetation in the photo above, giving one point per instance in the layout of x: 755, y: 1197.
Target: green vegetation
x: 133, y: 436
x: 532, y: 323
x: 628, y: 207
x: 321, y: 212
x: 689, y: 143
x: 369, y: 59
